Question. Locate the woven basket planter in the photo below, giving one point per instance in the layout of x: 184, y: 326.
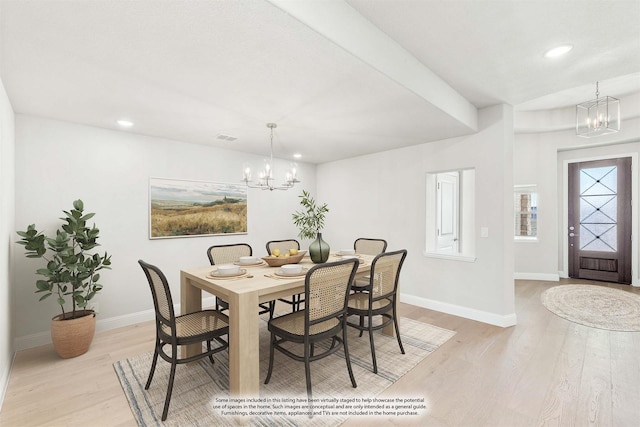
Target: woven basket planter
x: 73, y: 337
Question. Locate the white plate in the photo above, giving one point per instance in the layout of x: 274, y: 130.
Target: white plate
x: 281, y: 273
x: 216, y: 273
x: 249, y: 264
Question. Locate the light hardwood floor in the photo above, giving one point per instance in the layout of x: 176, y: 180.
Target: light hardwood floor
x: 544, y: 371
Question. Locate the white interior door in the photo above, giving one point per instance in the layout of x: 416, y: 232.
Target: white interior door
x: 447, y: 211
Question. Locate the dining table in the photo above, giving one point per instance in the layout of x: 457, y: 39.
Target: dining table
x: 255, y: 284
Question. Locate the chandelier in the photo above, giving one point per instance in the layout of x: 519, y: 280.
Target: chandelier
x: 265, y: 178
x: 599, y: 116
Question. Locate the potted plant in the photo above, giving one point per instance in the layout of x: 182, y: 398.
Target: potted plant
x: 71, y: 274
x: 311, y: 222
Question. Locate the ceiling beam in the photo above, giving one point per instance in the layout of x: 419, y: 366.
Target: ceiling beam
x: 343, y: 25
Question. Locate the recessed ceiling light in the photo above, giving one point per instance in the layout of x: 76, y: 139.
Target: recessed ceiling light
x: 125, y: 123
x: 297, y: 155
x: 558, y: 51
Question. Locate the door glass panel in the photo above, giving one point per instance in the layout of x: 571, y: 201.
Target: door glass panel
x: 602, y: 180
x: 598, y: 209
x: 526, y: 211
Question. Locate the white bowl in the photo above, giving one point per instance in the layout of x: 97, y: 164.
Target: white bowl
x: 228, y: 269
x: 347, y: 252
x: 247, y: 260
x: 291, y: 268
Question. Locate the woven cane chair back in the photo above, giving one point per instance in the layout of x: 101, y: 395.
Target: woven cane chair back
x: 228, y: 254
x: 161, y: 294
x: 283, y: 245
x: 326, y: 289
x: 385, y: 273
x: 367, y: 246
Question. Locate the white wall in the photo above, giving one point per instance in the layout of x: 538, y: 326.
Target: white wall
x: 7, y: 198
x: 383, y: 195
x: 534, y: 163
x: 538, y: 159
x: 59, y: 162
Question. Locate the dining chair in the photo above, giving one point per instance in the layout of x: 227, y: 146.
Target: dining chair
x: 284, y: 246
x: 379, y: 298
x: 200, y: 326
x: 228, y: 254
x: 326, y: 288
x: 367, y: 246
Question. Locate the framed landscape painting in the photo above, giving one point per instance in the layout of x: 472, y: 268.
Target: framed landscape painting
x: 180, y: 208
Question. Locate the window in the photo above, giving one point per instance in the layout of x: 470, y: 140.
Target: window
x: 525, y: 203
x: 450, y: 214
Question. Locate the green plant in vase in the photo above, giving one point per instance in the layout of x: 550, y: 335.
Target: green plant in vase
x: 71, y: 274
x: 310, y: 222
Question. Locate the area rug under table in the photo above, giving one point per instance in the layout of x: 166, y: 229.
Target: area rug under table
x: 595, y: 306
x: 201, y: 390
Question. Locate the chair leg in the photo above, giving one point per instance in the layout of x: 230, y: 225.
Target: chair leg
x: 307, y: 369
x: 153, y: 364
x: 373, y: 348
x: 272, y: 307
x: 395, y: 322
x: 172, y: 375
x: 272, y: 345
x: 209, y: 349
x: 362, y: 325
x: 346, y: 354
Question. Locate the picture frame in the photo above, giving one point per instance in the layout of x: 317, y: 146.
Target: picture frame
x: 186, y: 208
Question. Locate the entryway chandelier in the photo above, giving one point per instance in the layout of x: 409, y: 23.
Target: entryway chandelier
x: 265, y: 178
x: 599, y: 116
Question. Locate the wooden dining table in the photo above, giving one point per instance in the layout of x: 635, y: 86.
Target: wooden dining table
x: 243, y: 293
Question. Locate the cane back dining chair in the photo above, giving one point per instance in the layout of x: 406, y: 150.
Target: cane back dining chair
x: 367, y: 246
x: 174, y: 331
x: 284, y: 246
x: 379, y: 298
x: 228, y: 254
x: 327, y: 287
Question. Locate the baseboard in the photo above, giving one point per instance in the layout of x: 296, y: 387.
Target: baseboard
x: 44, y: 338
x: 4, y: 381
x: 537, y: 276
x: 503, y: 321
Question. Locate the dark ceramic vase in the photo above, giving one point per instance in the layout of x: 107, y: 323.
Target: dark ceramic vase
x: 319, y: 250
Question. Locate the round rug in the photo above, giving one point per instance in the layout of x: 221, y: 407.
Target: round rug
x: 595, y: 306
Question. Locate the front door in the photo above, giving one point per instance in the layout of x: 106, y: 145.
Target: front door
x: 600, y: 220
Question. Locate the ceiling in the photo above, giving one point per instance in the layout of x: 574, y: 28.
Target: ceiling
x: 340, y: 78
